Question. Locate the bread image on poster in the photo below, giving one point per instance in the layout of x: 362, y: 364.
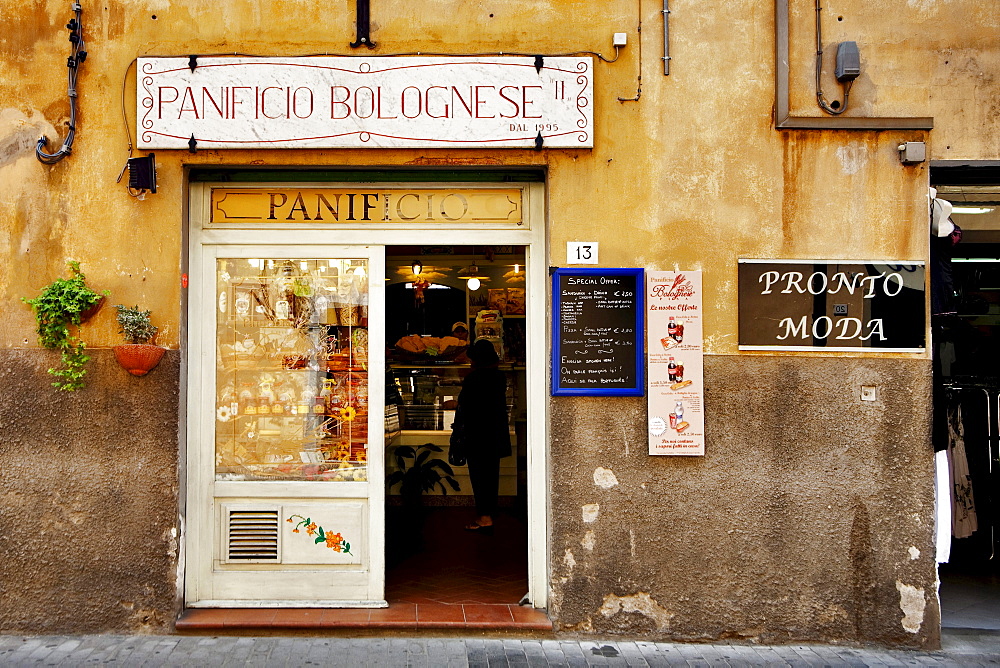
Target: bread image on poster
x: 515, y: 301
x: 498, y: 299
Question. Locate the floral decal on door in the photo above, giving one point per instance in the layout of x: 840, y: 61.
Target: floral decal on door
x: 334, y: 541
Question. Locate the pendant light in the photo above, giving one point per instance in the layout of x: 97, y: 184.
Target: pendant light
x: 417, y: 267
x: 471, y: 275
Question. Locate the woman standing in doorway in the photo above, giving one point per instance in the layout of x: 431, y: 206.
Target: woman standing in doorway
x: 482, y: 419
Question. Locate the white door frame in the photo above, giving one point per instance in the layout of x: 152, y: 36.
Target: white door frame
x: 532, y: 235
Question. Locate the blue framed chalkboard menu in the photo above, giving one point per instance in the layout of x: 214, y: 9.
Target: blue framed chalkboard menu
x: 597, y: 332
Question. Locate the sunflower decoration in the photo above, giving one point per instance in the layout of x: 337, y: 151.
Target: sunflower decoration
x: 343, y: 451
x: 361, y: 456
x: 348, y: 414
x: 224, y: 414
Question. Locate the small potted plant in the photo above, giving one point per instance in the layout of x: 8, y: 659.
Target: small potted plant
x: 417, y: 472
x: 138, y: 356
x: 423, y: 474
x: 66, y: 303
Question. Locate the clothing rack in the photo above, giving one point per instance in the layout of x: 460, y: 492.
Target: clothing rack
x: 989, y: 390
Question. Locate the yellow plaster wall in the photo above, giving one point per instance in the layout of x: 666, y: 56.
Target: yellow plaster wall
x: 690, y: 175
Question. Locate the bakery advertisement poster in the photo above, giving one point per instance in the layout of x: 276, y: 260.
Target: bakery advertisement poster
x: 674, y: 348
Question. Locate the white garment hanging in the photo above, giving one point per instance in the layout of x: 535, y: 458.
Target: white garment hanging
x: 942, y: 506
x: 963, y: 505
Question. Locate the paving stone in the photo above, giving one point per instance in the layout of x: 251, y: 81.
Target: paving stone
x: 632, y: 654
x: 274, y: 652
x: 556, y: 659
x: 769, y: 656
x: 532, y: 648
x: 571, y: 649
x: 495, y: 660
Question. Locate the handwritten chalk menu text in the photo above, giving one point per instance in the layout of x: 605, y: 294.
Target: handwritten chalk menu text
x: 598, y: 332
x: 834, y: 306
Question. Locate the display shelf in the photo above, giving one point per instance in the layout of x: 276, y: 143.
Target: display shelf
x: 439, y: 365
x: 361, y: 415
x: 273, y: 369
x: 294, y: 335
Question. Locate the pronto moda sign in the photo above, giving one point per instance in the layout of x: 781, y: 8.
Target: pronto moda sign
x: 597, y: 332
x: 357, y: 102
x: 675, y: 349
x: 360, y: 204
x: 832, y: 305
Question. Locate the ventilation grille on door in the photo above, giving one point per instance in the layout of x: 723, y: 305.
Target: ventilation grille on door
x: 253, y: 536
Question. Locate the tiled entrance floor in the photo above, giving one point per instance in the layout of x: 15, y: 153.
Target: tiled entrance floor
x: 970, y: 601
x: 454, y: 566
x: 397, y: 615
x: 440, y: 577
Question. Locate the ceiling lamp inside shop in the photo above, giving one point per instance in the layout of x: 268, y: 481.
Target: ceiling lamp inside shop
x: 472, y: 276
x: 982, y: 202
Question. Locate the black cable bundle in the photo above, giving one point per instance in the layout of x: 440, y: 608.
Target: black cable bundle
x: 75, y: 27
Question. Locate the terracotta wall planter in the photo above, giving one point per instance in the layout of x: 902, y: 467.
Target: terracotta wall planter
x: 89, y: 313
x: 138, y: 358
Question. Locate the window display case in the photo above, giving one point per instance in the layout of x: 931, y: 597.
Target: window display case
x: 427, y: 394
x: 292, y: 370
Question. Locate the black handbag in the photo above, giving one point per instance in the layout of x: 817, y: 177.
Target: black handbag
x: 457, y: 446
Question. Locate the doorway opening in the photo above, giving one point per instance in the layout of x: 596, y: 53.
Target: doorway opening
x: 965, y: 283
x: 439, y: 301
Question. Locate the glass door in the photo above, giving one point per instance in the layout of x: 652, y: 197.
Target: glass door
x: 285, y: 401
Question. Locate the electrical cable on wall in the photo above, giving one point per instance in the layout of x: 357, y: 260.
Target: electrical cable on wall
x: 128, y: 134
x: 638, y: 90
x: 73, y: 63
x: 847, y: 70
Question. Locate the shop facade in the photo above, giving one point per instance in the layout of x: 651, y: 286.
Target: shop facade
x: 287, y: 274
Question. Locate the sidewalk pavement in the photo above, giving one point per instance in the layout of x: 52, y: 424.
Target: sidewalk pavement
x: 960, y: 648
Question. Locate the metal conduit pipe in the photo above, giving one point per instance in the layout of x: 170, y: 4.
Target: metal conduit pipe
x: 666, y: 37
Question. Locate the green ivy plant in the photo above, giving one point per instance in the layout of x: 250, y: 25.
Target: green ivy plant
x: 134, y: 324
x: 58, y: 308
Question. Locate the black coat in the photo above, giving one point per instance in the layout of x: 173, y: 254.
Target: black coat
x: 482, y: 413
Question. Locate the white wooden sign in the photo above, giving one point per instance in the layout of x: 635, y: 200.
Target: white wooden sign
x: 356, y: 102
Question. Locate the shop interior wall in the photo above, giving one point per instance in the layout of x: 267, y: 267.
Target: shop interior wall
x: 690, y: 175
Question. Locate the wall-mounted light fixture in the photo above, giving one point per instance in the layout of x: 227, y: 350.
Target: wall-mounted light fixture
x: 142, y: 175
x: 417, y: 267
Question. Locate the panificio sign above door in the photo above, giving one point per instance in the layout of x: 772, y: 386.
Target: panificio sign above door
x: 358, y: 102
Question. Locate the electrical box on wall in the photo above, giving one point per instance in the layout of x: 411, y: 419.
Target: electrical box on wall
x: 912, y: 152
x: 848, y: 66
